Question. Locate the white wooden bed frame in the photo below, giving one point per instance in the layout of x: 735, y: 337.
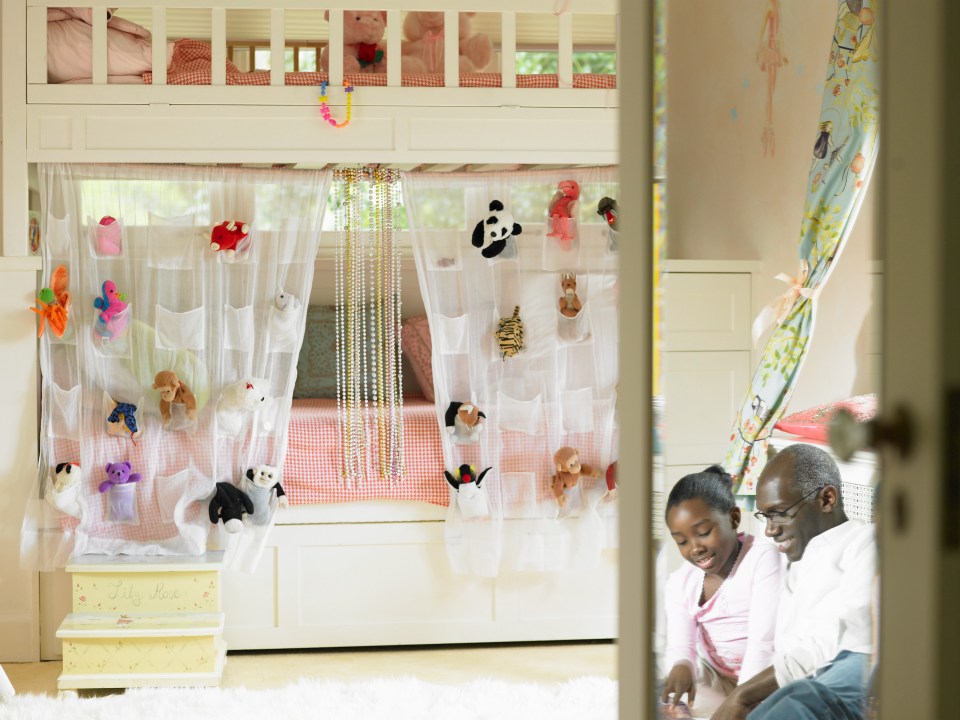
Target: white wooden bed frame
x: 372, y: 573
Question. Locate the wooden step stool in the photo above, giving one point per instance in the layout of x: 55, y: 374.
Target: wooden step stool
x: 143, y: 622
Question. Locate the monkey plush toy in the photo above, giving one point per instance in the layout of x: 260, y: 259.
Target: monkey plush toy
x: 569, y: 472
x: 174, y: 391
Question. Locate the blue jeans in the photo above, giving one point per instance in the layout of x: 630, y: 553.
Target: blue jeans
x: 837, y: 692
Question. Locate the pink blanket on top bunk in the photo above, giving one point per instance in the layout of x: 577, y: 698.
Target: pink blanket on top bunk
x: 192, y: 59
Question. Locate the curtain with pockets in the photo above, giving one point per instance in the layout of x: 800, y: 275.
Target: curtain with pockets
x: 554, y: 388
x: 150, y: 294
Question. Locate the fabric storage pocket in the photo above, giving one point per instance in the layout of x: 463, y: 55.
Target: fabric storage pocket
x: 284, y: 327
x: 442, y: 250
x: 106, y: 237
x: 172, y: 242
x: 574, y: 329
x: 520, y: 415
x: 452, y: 334
x: 64, y: 408
x: 122, y: 504
x: 180, y: 330
x: 578, y: 366
x: 111, y: 334
x: 57, y: 238
x: 238, y: 327
x: 169, y: 491
x: 519, y: 493
x: 562, y: 253
x: 576, y: 408
x: 67, y: 500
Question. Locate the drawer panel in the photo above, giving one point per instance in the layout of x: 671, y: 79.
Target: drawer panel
x: 146, y: 592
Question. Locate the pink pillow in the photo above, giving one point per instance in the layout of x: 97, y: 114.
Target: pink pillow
x: 813, y: 422
x: 419, y: 351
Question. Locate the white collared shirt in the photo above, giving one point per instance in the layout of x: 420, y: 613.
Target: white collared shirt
x: 826, y: 601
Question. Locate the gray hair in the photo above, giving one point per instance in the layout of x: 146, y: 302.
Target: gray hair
x: 812, y: 469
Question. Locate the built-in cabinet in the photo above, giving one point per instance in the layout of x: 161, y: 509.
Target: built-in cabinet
x: 707, y: 364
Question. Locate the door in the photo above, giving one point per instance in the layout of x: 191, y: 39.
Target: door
x: 920, y: 184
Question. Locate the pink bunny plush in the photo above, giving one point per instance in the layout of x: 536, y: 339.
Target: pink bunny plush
x: 422, y: 48
x: 362, y: 32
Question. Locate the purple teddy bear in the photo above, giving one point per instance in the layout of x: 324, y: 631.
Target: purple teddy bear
x: 119, y: 474
x: 122, y: 505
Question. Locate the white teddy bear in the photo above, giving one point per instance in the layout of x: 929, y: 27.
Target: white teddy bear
x: 245, y: 396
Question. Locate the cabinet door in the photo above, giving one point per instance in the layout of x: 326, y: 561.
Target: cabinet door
x: 702, y: 392
x: 707, y: 311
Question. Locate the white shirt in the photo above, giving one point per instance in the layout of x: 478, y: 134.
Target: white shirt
x: 826, y: 601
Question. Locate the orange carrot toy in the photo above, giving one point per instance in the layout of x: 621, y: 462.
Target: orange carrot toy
x: 54, y: 302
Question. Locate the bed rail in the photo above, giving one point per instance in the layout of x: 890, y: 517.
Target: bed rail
x: 99, y: 90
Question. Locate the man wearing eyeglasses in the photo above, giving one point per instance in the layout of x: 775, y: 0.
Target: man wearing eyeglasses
x: 824, y: 636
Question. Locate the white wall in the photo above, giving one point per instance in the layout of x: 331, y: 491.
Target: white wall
x: 19, y: 625
x: 727, y: 201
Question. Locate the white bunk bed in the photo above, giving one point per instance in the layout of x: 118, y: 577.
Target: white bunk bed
x: 307, y: 591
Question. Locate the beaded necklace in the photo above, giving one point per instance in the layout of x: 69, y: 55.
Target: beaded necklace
x: 325, y: 110
x: 369, y: 371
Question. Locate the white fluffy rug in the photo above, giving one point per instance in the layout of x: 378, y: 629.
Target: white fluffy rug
x: 386, y: 699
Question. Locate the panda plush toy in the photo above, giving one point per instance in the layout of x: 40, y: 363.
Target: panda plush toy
x: 494, y: 234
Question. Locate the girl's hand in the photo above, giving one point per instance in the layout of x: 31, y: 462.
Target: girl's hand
x: 679, y: 681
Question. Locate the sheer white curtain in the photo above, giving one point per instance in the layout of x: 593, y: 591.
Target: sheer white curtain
x: 559, y: 391
x: 224, y: 324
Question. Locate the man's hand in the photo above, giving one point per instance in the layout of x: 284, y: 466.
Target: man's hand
x: 733, y: 708
x: 679, y: 681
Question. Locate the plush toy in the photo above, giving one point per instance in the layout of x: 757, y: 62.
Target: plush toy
x: 173, y: 391
x: 110, y: 321
x: 64, y: 490
x: 611, y: 478
x: 258, y: 483
x: 423, y: 43
x: 464, y: 420
x: 54, y: 302
x: 108, y: 236
x: 470, y: 497
x: 509, y: 334
x: 493, y: 232
x: 228, y: 237
x: 229, y: 503
x: 362, y: 32
x: 570, y: 305
x: 239, y: 398
x: 563, y: 213
x: 569, y: 472
x: 247, y: 395
x: 118, y: 474
x: 607, y: 209
x: 286, y: 302
x: 122, y: 420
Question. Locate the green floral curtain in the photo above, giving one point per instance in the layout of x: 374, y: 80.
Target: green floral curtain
x: 844, y: 153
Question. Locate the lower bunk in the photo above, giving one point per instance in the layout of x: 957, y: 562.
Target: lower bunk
x: 366, y: 564
x: 376, y: 573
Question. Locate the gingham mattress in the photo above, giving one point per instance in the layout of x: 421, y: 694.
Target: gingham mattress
x: 191, y: 66
x: 311, y: 473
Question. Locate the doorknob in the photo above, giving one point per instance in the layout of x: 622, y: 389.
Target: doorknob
x: 847, y: 435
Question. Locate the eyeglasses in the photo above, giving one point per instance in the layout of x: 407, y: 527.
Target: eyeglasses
x: 780, y: 517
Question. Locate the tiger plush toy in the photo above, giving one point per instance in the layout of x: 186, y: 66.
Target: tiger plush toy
x: 509, y: 334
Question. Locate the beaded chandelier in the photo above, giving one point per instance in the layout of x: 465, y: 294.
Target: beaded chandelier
x: 367, y: 287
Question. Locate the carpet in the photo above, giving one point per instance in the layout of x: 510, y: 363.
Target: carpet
x: 381, y: 699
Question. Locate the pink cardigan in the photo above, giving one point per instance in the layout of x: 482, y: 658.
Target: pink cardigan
x: 734, y: 629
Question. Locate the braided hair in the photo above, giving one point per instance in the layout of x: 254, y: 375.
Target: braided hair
x: 713, y: 486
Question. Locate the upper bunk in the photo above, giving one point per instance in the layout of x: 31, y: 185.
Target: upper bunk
x: 255, y: 71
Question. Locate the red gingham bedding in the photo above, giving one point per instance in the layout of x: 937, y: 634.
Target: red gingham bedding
x: 311, y: 473
x: 191, y: 66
